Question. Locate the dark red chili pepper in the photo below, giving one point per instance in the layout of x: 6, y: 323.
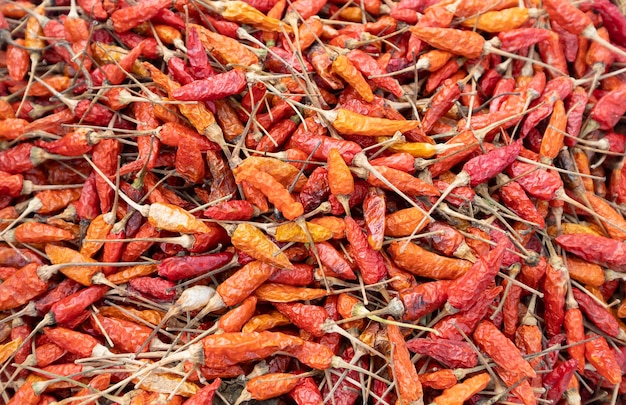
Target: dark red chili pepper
x: 179, y: 268
x: 451, y: 353
x: 154, y: 288
x: 301, y: 275
x: 613, y: 20
x: 215, y: 87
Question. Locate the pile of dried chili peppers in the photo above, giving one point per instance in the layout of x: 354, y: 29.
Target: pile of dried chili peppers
x: 312, y: 201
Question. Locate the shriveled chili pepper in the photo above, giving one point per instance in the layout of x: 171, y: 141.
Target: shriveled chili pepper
x: 22, y: 286
x: 308, y: 317
x: 68, y: 308
x: 600, y: 317
x: 252, y: 241
x: 179, y: 268
x: 219, y: 86
x: 465, y: 289
x: 275, y: 192
x: 154, y: 287
x: 128, y: 336
x: 409, y: 387
x: 430, y: 265
x: 467, y: 321
x: 344, y: 68
x: 450, y: 353
x: 285, y: 293
x: 596, y: 249
x: 369, y: 261
x: 492, y: 341
x: 597, y: 352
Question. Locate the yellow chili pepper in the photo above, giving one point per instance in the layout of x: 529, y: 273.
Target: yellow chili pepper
x: 253, y: 242
x: 292, y: 232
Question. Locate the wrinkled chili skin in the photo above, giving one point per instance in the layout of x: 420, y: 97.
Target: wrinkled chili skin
x: 179, y: 268
x: 451, y: 353
x: 596, y: 249
x: 602, y: 318
x: 68, y: 308
x: 316, y: 189
x: 154, y: 287
x: 424, y: 298
x: 370, y: 261
x: 63, y: 289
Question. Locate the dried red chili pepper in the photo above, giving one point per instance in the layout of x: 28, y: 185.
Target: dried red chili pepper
x: 597, y: 352
x: 492, y: 341
x: 600, y: 317
x: 369, y: 261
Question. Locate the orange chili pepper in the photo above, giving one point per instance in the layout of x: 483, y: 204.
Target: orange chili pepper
x: 339, y: 176
x: 585, y: 272
x: 35, y: 232
x: 263, y: 322
x: 403, y: 222
x: 350, y: 123
x: 405, y: 374
x: 78, y: 273
x: 461, y: 392
x: 243, y: 13
x: 275, y: 192
x: 604, y: 210
x: 343, y: 68
x: 273, y: 292
x: 227, y: 50
x: 497, y: 21
x: 423, y: 263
